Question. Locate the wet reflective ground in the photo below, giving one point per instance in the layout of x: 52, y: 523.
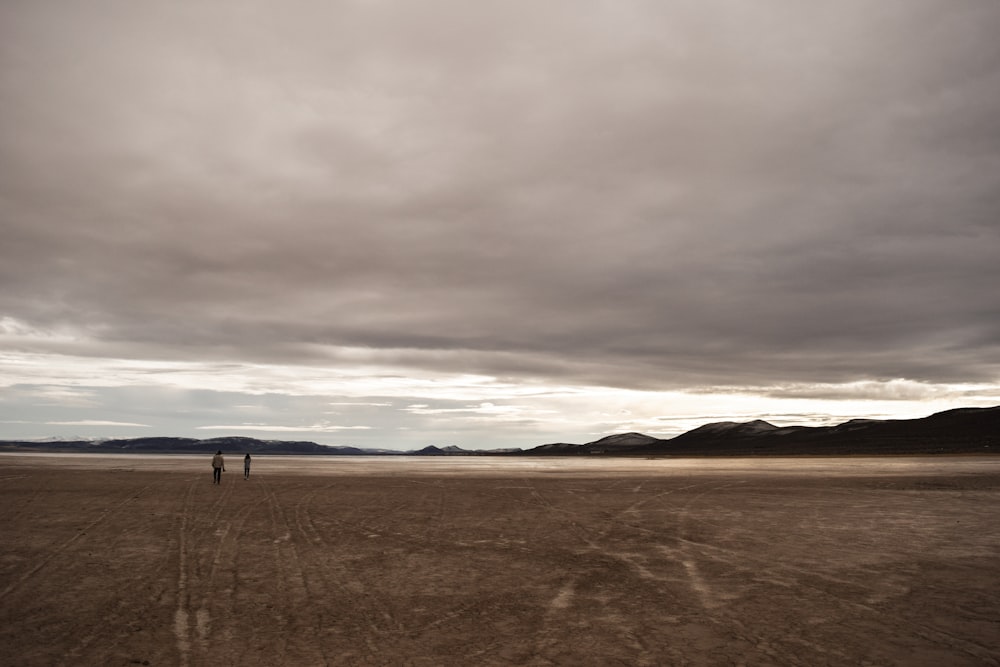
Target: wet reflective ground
x: 499, y: 465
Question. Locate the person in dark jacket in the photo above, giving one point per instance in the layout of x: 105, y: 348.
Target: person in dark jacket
x: 246, y: 467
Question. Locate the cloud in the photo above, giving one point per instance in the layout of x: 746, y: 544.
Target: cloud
x: 892, y: 390
x: 486, y: 414
x: 368, y: 403
x: 275, y: 428
x: 55, y: 395
x: 95, y: 422
x: 473, y: 202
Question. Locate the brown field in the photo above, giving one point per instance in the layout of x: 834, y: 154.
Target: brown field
x: 142, y: 560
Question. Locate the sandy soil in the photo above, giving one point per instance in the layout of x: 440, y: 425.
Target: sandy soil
x: 144, y: 561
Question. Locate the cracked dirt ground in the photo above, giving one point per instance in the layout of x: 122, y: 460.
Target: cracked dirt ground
x: 135, y: 560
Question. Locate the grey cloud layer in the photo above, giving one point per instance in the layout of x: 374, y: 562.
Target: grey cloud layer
x: 637, y: 194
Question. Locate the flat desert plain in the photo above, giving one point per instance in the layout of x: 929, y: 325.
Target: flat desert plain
x: 141, y: 560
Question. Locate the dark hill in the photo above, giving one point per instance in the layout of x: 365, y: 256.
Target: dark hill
x: 960, y: 431
x: 729, y: 430
x: 166, y: 445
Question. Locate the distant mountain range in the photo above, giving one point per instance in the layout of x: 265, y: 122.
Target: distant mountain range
x: 959, y: 431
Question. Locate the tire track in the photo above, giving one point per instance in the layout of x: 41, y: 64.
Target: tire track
x: 595, y: 541
x: 223, y: 560
x: 296, y: 582
x: 53, y: 552
x: 182, y: 629
x: 374, y: 620
x: 192, y: 617
x: 118, y: 613
x: 369, y: 612
x: 691, y: 553
x: 804, y: 578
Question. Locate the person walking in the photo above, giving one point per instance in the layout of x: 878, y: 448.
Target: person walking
x: 218, y: 467
x: 246, y: 467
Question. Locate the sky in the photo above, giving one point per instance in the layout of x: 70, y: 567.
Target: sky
x: 494, y: 224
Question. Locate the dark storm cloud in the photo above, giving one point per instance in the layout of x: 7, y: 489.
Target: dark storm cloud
x: 635, y: 194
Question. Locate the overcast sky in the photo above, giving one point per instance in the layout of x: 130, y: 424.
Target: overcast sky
x: 494, y: 224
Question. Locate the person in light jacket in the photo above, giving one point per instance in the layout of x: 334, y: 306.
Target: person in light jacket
x: 218, y: 467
